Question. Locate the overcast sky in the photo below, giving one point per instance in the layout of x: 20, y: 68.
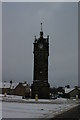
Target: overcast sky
x: 21, y: 22
x: 0, y: 41
x: 40, y: 0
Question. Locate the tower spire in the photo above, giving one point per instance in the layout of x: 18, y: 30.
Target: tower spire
x: 41, y: 32
x: 41, y: 26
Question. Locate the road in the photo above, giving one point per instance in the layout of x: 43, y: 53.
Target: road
x: 73, y: 114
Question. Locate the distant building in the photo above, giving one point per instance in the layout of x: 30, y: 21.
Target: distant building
x: 8, y: 88
x: 60, y: 91
x: 72, y: 92
x: 20, y: 89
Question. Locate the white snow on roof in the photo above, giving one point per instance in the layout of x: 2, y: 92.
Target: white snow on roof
x: 67, y: 90
x: 24, y: 84
x: 79, y: 88
x: 7, y: 85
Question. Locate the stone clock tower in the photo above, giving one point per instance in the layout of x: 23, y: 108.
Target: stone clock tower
x: 40, y: 84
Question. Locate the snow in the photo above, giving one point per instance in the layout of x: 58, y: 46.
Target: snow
x: 13, y: 98
x: 67, y: 90
x: 0, y: 106
x: 30, y: 108
x: 0, y: 110
x: 7, y: 85
x: 26, y: 110
x: 12, y: 86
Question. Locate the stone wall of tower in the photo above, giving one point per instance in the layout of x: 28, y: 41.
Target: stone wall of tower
x: 40, y: 84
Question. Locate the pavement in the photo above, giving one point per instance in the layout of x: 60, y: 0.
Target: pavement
x: 72, y: 114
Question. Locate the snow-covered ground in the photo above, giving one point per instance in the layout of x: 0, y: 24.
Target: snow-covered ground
x: 26, y: 110
x: 13, y: 98
x: 0, y: 110
x: 22, y: 108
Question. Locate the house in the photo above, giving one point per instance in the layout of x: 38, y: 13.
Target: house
x: 8, y: 88
x: 60, y: 91
x: 20, y: 89
x: 72, y: 92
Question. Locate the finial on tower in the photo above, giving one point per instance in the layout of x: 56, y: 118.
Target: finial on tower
x: 41, y: 32
x: 35, y: 39
x: 41, y: 26
x: 35, y: 36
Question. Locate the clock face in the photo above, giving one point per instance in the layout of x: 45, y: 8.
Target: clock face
x: 40, y: 46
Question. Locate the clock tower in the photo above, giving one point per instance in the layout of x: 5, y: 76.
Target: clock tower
x: 40, y: 84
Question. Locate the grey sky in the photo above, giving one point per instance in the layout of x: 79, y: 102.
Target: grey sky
x: 21, y: 22
x: 79, y: 43
x: 0, y: 41
x: 39, y: 0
